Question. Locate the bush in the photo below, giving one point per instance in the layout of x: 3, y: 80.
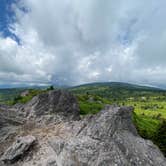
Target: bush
x: 160, y: 137
x: 89, y: 108
x: 50, y: 88
x: 25, y: 99
x: 17, y: 99
x: 159, y: 116
x: 146, y: 126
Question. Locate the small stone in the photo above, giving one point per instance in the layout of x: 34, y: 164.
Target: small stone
x: 18, y: 149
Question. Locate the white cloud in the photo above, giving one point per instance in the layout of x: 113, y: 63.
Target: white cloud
x: 74, y: 41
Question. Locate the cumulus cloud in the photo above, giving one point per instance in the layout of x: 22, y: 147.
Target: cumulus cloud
x: 73, y: 42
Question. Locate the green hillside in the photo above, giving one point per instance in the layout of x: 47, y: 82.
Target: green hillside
x: 9, y: 94
x: 12, y: 96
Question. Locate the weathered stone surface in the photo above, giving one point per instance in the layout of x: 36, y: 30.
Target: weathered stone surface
x: 53, y: 106
x: 9, y: 126
x: 51, y: 162
x: 25, y: 93
x: 18, y: 149
x: 107, y: 139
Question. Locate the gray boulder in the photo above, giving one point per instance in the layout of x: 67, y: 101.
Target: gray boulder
x: 107, y: 139
x: 57, y: 105
x: 10, y: 124
x: 51, y: 162
x: 18, y: 149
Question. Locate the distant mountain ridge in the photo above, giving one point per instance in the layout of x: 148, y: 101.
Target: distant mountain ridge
x: 115, y: 84
x: 10, y: 93
x: 120, y: 85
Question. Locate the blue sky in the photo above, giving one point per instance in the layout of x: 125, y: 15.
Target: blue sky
x: 73, y: 42
x: 7, y: 17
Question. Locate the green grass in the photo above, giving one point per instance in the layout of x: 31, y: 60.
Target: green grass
x: 91, y: 104
x: 160, y: 137
x: 145, y: 125
x: 7, y: 95
x: 27, y: 98
x: 89, y: 108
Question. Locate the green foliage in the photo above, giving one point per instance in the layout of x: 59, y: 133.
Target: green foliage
x: 91, y: 104
x: 89, y: 108
x: 160, y: 137
x: 50, y: 88
x: 25, y: 99
x: 6, y: 95
x: 120, y: 91
x: 145, y: 125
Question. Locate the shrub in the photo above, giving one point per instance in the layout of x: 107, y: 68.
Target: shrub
x: 159, y: 116
x: 90, y: 108
x: 50, y: 88
x: 160, y: 137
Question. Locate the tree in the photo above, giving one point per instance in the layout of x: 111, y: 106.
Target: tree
x: 50, y: 88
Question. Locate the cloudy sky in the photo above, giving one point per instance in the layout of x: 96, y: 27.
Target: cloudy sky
x: 79, y: 41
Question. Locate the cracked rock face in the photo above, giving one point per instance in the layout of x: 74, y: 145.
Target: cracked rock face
x: 18, y: 149
x: 57, y: 105
x: 52, y: 107
x: 107, y: 139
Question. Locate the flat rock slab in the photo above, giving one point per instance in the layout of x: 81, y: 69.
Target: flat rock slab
x: 18, y: 149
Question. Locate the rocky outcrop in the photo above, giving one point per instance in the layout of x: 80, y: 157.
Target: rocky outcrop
x: 54, y: 106
x: 51, y: 107
x: 108, y: 138
x: 25, y: 93
x: 9, y: 126
x: 48, y: 108
x: 18, y: 149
